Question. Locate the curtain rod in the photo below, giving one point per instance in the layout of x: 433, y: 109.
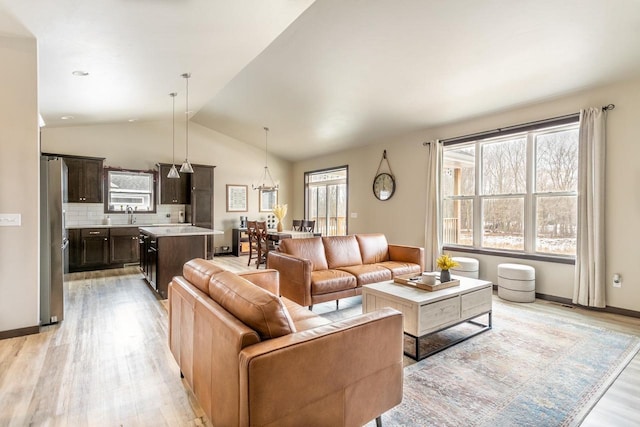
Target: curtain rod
x: 521, y: 127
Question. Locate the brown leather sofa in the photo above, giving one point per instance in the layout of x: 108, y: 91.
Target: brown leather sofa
x: 321, y: 269
x: 255, y: 359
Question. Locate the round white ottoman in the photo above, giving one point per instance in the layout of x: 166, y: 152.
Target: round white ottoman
x: 517, y: 282
x: 468, y: 267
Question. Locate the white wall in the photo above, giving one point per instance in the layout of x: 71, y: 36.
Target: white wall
x: 140, y: 145
x: 402, y: 217
x: 19, y: 183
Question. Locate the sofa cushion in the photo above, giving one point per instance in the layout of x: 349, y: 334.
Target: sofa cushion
x: 398, y: 267
x: 199, y: 271
x: 302, y: 317
x: 311, y: 249
x: 341, y: 251
x: 373, y: 248
x: 257, y: 308
x: 368, y: 273
x: 327, y: 281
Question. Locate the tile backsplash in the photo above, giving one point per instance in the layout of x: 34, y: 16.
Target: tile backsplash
x: 80, y: 214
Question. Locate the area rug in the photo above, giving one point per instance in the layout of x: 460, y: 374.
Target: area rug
x: 531, y: 369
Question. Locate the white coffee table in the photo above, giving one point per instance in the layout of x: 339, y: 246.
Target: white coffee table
x: 427, y: 313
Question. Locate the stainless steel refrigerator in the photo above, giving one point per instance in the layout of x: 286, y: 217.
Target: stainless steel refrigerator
x: 54, y: 244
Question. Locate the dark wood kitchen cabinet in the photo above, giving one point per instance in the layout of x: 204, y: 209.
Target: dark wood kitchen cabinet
x: 166, y: 255
x: 103, y: 247
x: 199, y: 211
x: 94, y: 250
x: 124, y: 245
x: 173, y: 191
x: 75, y: 244
x: 85, y: 179
x: 149, y: 258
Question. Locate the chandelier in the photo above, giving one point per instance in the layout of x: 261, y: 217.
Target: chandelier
x: 265, y: 182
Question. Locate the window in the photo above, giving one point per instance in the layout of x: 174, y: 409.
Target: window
x: 326, y: 200
x: 515, y: 192
x: 129, y: 189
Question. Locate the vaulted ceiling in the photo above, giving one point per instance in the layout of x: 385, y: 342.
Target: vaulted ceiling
x: 323, y: 75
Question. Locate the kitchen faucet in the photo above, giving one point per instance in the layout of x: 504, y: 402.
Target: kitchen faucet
x: 131, y: 219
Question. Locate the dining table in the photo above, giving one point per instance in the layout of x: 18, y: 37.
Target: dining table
x: 276, y: 236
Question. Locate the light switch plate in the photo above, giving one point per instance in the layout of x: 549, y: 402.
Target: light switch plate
x: 10, y: 220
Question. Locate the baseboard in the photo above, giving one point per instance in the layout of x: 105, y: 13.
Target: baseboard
x: 569, y: 302
x: 607, y: 309
x: 19, y: 332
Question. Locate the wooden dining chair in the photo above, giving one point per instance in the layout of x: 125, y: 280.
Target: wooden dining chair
x: 297, y: 225
x: 308, y: 225
x: 264, y: 244
x: 252, y: 232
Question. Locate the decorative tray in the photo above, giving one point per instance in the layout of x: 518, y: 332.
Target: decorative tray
x: 415, y: 280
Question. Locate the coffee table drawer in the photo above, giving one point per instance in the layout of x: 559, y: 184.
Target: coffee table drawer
x: 476, y: 302
x: 436, y: 315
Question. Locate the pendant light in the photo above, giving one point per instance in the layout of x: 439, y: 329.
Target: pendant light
x: 266, y: 182
x: 186, y: 166
x: 173, y: 172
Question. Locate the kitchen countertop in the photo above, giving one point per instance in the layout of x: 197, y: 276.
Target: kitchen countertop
x: 171, y: 224
x: 186, y: 230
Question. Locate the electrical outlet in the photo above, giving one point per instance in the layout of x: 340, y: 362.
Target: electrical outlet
x: 617, y: 281
x: 10, y: 220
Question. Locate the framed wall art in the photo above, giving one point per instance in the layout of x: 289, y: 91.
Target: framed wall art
x: 237, y: 198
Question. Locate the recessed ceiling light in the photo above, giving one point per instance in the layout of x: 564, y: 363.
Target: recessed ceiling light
x: 133, y: 120
x: 67, y: 117
x: 80, y: 73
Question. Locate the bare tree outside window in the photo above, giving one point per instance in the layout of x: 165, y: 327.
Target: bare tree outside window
x: 556, y: 185
x: 504, y: 167
x: 527, y: 176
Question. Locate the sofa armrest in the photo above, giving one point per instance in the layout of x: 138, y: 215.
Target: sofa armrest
x: 295, y: 276
x: 345, y: 373
x: 405, y: 253
x: 266, y: 279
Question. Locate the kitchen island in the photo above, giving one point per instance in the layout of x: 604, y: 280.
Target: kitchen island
x: 164, y: 250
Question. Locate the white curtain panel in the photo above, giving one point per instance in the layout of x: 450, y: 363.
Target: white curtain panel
x: 433, y: 233
x: 589, y: 285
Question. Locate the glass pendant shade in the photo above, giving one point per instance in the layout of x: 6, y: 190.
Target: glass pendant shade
x: 186, y: 166
x: 266, y: 182
x: 173, y: 172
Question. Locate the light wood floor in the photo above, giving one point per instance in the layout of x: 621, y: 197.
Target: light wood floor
x: 108, y: 362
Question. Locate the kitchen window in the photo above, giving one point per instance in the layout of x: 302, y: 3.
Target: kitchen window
x: 126, y: 189
x: 513, y: 192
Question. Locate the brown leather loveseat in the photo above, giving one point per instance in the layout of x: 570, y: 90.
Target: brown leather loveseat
x: 321, y: 269
x: 255, y: 359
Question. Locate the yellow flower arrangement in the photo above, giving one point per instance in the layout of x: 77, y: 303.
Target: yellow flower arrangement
x: 445, y: 262
x: 280, y: 211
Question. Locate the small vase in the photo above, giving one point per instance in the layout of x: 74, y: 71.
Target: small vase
x: 445, y: 276
x: 279, y: 228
